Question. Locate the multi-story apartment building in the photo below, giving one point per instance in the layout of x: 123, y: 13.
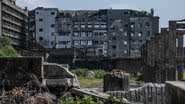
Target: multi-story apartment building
x: 128, y: 31
x: 110, y: 33
x: 14, y: 23
x: 42, y: 26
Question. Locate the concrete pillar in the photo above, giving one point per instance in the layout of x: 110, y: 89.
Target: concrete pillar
x: 116, y: 82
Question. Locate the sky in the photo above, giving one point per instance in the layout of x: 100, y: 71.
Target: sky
x: 165, y: 9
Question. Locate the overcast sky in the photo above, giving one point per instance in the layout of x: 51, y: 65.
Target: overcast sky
x: 166, y: 9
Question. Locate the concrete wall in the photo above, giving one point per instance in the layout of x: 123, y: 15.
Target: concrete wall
x: 48, y: 31
x: 175, y: 92
x: 19, y: 70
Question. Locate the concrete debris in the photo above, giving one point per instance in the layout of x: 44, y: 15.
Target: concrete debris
x: 150, y: 93
x: 90, y: 74
x: 30, y: 93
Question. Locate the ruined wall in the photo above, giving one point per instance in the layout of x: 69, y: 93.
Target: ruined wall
x: 19, y: 70
x: 116, y: 82
x: 175, y: 92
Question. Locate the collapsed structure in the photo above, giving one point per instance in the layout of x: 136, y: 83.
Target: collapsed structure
x: 163, y: 53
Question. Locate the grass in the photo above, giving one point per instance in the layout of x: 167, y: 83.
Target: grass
x: 90, y: 82
x: 184, y: 75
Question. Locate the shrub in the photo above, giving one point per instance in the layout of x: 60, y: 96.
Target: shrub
x: 5, y: 47
x: 99, y: 74
x: 4, y: 41
x: 77, y: 100
x: 8, y: 51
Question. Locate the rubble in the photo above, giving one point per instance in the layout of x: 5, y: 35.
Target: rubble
x: 30, y: 93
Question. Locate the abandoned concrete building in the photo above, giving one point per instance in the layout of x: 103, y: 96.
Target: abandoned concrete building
x: 14, y: 23
x: 42, y: 26
x: 104, y: 33
x: 164, y: 54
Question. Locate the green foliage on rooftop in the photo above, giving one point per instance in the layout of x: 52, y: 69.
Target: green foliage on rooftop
x: 6, y: 50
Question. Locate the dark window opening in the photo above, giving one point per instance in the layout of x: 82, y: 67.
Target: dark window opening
x: 40, y: 19
x: 52, y: 13
x: 52, y: 25
x: 40, y: 30
x: 40, y: 38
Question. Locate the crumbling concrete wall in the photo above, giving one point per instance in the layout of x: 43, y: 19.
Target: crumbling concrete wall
x: 19, y: 70
x: 175, y: 92
x: 58, y: 79
x: 116, y: 82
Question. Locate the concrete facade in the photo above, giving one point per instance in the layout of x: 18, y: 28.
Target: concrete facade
x: 175, y: 92
x: 110, y: 33
x: 42, y: 26
x: 163, y: 53
x: 13, y: 23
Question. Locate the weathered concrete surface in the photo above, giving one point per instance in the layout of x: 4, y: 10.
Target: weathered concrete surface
x: 19, y: 70
x: 150, y: 93
x: 58, y: 79
x: 175, y: 92
x: 116, y: 82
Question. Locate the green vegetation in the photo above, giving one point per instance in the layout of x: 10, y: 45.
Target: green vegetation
x: 90, y: 82
x: 6, y: 50
x: 136, y: 79
x: 77, y: 100
x: 99, y: 74
x: 184, y: 75
x: 88, y: 100
x: 96, y: 82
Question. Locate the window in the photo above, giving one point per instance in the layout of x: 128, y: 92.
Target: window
x: 82, y: 26
x: 89, y: 34
x: 101, y: 33
x: 40, y: 38
x: 140, y: 25
x: 114, y: 47
x: 37, y: 12
x: 52, y: 25
x: 147, y: 24
x: 96, y: 25
x: 89, y: 26
x: 62, y: 42
x: 132, y: 34
x: 132, y: 25
x: 103, y: 26
x: 114, y: 38
x: 148, y: 33
x: 89, y: 43
x: 83, y: 34
x: 52, y: 42
x: 40, y: 30
x: 114, y: 55
x: 126, y: 25
x: 75, y: 26
x: 125, y: 51
x: 76, y: 43
x: 40, y: 19
x: 125, y: 33
x: 95, y: 42
x: 125, y: 42
x: 52, y: 13
x: 121, y: 30
x: 76, y: 34
x: 96, y: 34
x: 83, y: 43
x: 140, y: 34
x: 125, y: 13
